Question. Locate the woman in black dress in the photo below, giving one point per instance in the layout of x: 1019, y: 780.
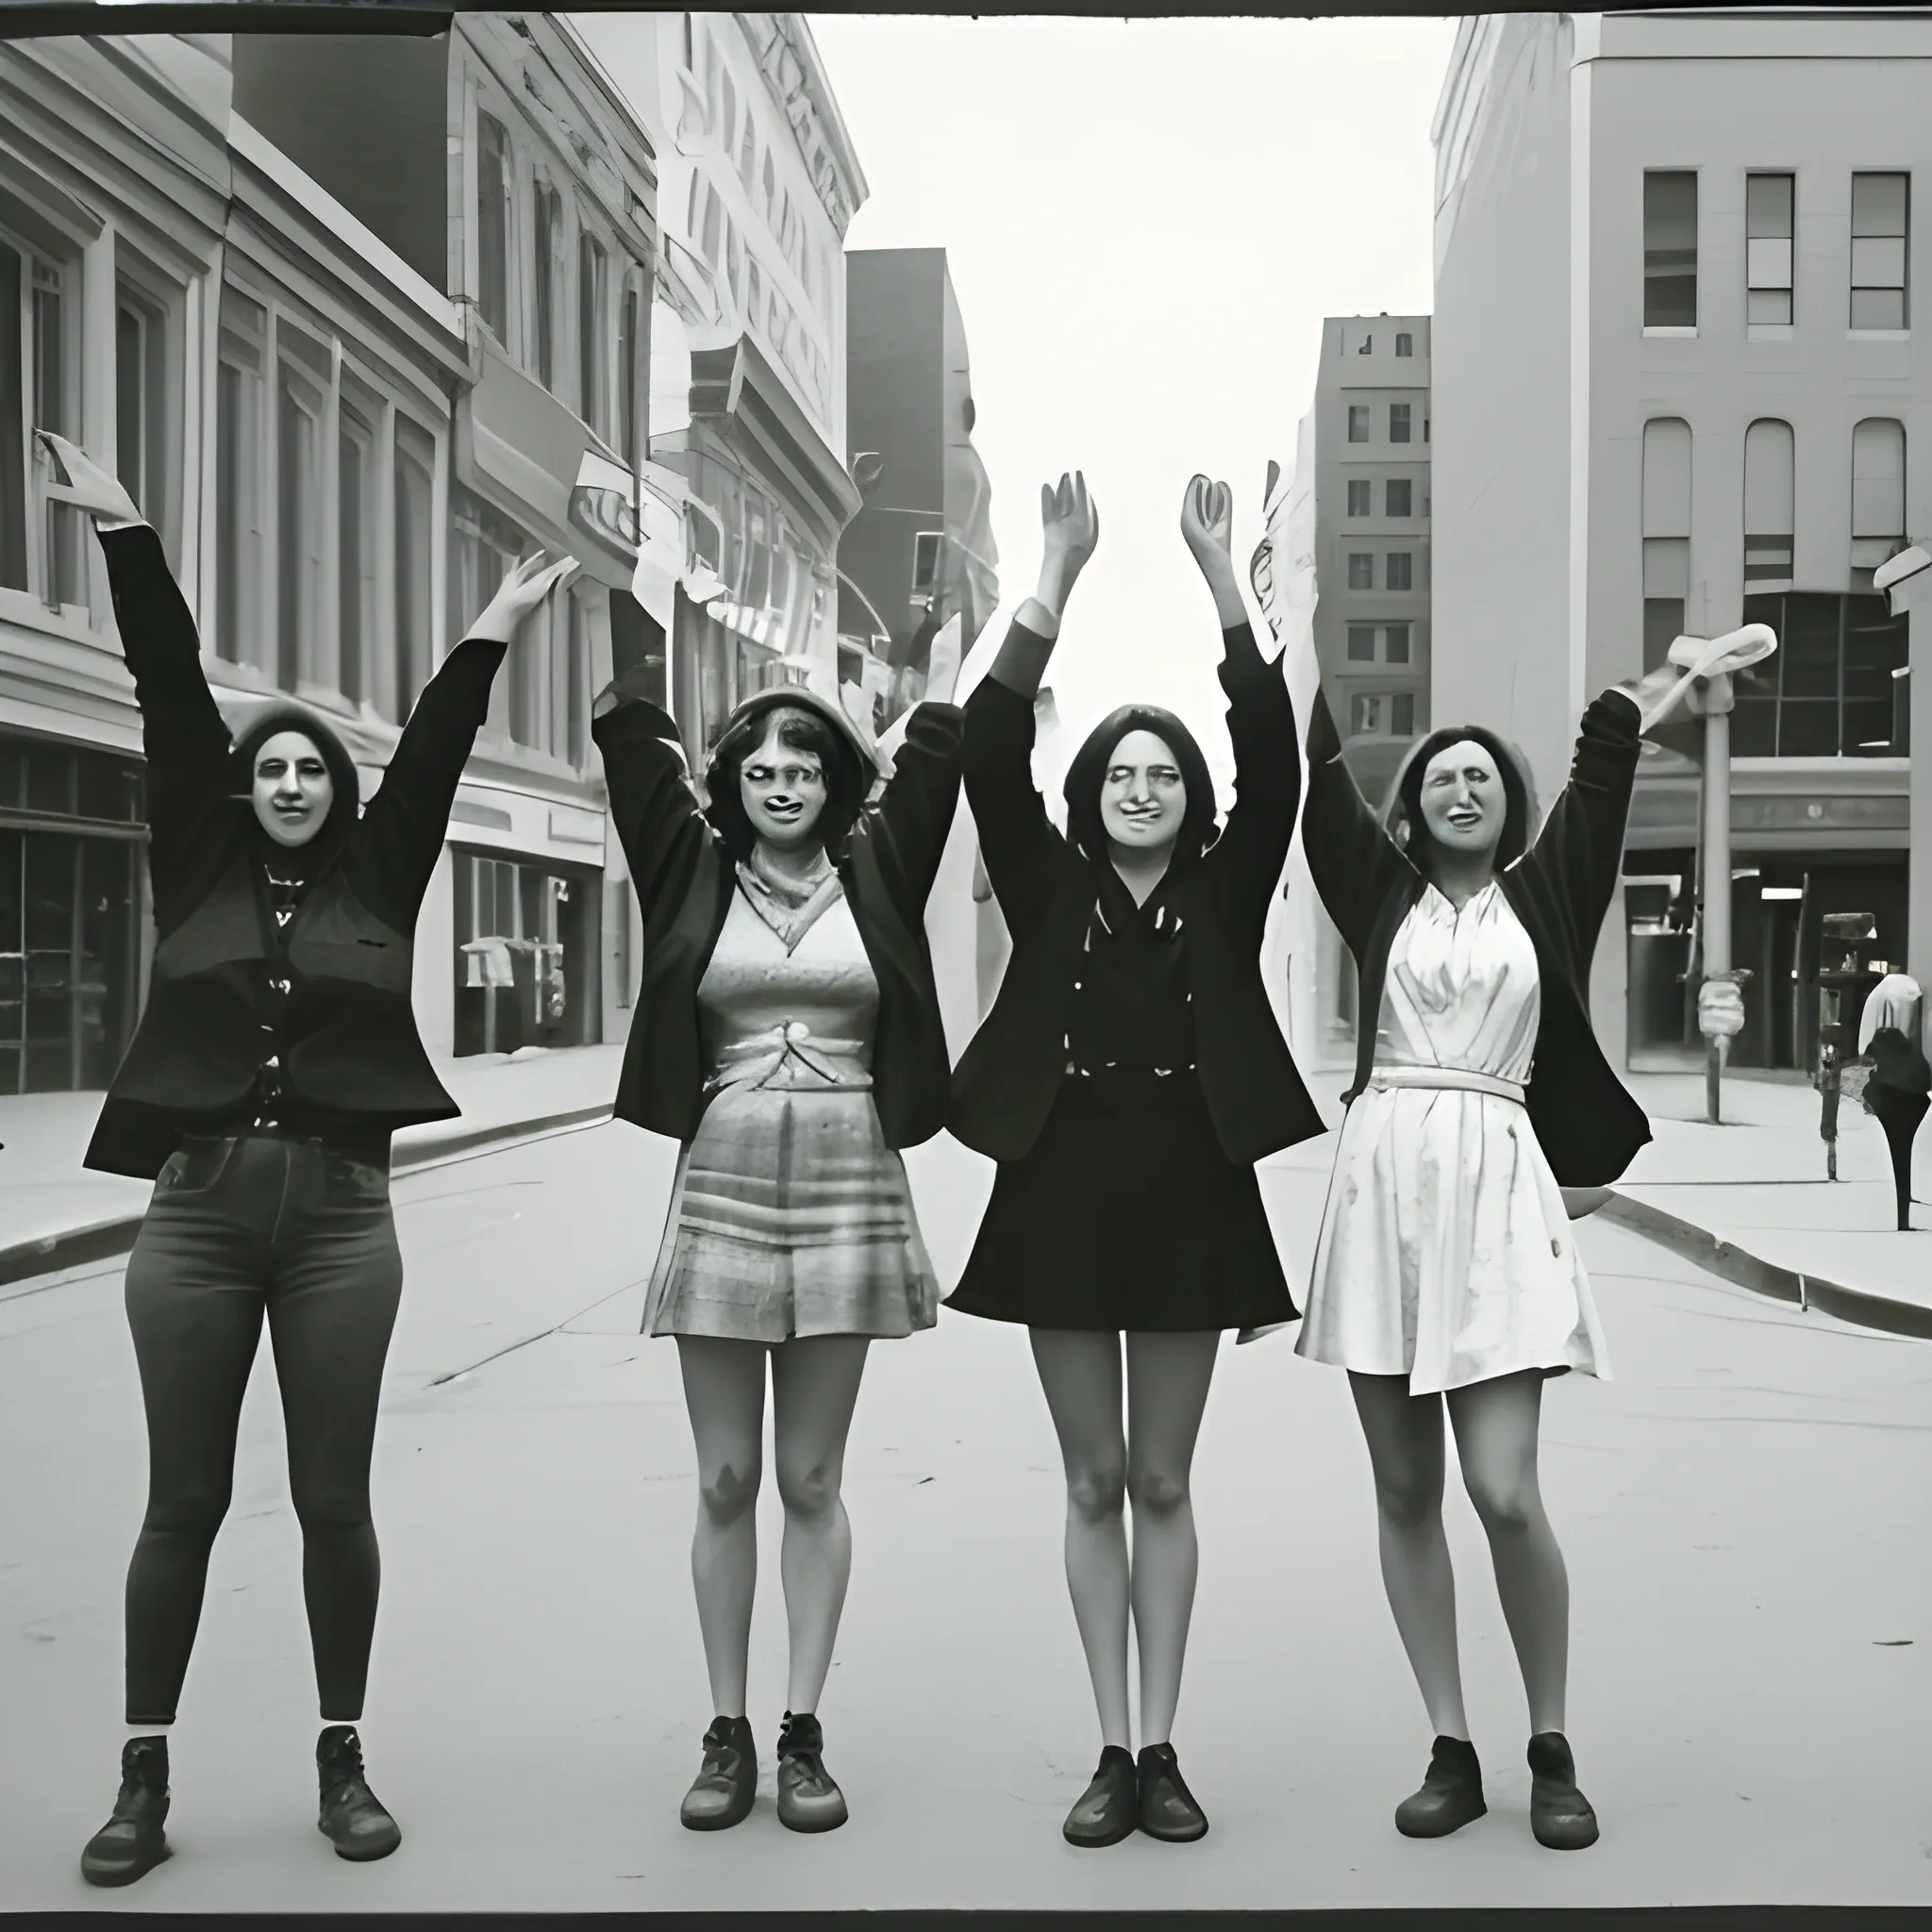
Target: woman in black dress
x: 1896, y: 1093
x: 277, y: 1053
x: 1128, y: 1077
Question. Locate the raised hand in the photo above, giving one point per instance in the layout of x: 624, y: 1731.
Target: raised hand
x: 1208, y: 523
x: 89, y: 487
x: 521, y: 591
x: 1070, y: 525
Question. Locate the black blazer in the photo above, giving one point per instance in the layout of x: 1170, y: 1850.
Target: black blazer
x: 1008, y: 1077
x: 684, y: 879
x: 1588, y: 1124
x: 351, y: 1044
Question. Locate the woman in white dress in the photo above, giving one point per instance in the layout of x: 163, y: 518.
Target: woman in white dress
x: 1445, y: 1270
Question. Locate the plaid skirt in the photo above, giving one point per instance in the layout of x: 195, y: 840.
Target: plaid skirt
x: 791, y: 1217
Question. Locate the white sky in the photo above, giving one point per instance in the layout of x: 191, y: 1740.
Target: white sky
x: 1147, y: 222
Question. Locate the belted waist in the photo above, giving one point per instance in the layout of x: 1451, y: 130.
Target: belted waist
x: 753, y: 1062
x: 1453, y: 1079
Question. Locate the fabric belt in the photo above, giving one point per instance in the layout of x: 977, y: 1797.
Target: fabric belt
x: 839, y: 1063
x: 1451, y: 1079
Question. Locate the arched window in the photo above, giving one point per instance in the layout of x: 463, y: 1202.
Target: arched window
x: 1666, y: 534
x: 1768, y: 505
x: 1878, y: 491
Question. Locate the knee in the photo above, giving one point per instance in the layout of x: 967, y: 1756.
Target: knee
x: 809, y: 1491
x: 322, y: 1510
x: 1096, y: 1491
x: 1155, y: 1492
x: 726, y: 1493
x: 189, y: 1513
x: 1407, y: 1504
x: 1507, y: 1509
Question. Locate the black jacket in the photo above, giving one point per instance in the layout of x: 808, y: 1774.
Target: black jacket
x: 351, y: 1048
x: 1009, y: 1076
x: 1585, y: 1118
x: 684, y: 879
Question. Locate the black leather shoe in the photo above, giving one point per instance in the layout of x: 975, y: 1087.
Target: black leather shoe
x: 352, y: 1819
x: 1451, y: 1795
x: 807, y: 1798
x: 1108, y: 1809
x: 1559, y: 1814
x: 132, y: 1843
x: 1167, y: 1807
x: 728, y: 1780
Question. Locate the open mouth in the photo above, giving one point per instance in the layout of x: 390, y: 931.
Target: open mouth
x: 291, y: 811
x: 1465, y: 821
x: 784, y: 810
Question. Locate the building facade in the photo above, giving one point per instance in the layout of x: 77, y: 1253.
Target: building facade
x: 298, y: 290
x: 1680, y: 388
x: 921, y: 549
x: 759, y: 185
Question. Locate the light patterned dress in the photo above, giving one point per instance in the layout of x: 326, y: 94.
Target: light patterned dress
x: 790, y: 1216
x: 1446, y: 1253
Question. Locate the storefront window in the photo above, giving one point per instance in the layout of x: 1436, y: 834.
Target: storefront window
x: 526, y: 953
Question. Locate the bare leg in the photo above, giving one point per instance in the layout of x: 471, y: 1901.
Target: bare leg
x: 1168, y: 1379
x: 814, y: 1389
x: 1496, y: 1437
x: 1080, y: 1373
x: 1405, y: 1439
x: 724, y: 1396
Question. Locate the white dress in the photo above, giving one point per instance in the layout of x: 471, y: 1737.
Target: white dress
x: 1446, y: 1253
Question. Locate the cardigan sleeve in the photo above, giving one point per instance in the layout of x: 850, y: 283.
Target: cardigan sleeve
x: 1022, y: 849
x: 1580, y: 852
x: 404, y: 827
x: 184, y: 737
x: 652, y: 805
x: 913, y: 817
x: 1253, y: 842
x: 1351, y: 857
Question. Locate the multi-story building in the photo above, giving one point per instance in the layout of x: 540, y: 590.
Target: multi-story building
x: 1678, y: 306
x: 277, y: 282
x: 1372, y: 535
x: 759, y: 184
x: 921, y: 551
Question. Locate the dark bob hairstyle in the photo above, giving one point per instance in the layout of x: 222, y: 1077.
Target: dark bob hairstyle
x: 1406, y: 823
x: 1088, y: 774
x: 345, y: 809
x: 801, y: 728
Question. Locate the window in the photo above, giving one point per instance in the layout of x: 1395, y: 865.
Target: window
x: 241, y: 491
x: 1402, y: 714
x: 1829, y: 691
x: 630, y: 387
x: 1366, y: 713
x: 1362, y: 643
x: 593, y: 302
x: 1670, y: 249
x: 689, y: 46
x: 728, y: 91
x: 1400, y: 571
x: 1399, y: 497
x: 415, y: 495
x: 40, y: 542
x: 1358, y: 498
x: 1768, y: 504
x: 1361, y: 570
x: 925, y: 562
x: 1666, y: 535
x: 1358, y: 423
x: 140, y: 404
x: 1879, y: 211
x: 1878, y: 494
x: 1398, y: 421
x: 1395, y: 643
x: 1768, y: 236
x: 300, y: 403
x: 354, y: 553
x: 1404, y: 345
x: 711, y: 232
x: 547, y: 236
x: 1382, y: 714
x: 493, y: 225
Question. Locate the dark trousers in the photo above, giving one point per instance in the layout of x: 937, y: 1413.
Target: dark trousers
x: 237, y: 1229
x: 1899, y: 1113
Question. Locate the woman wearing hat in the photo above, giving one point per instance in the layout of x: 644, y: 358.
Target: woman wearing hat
x: 277, y: 1053
x: 789, y: 1036
x: 1129, y: 1075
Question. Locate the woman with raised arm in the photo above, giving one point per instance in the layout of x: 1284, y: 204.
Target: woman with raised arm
x: 277, y: 1053
x: 1128, y: 1077
x: 789, y: 1036
x: 1445, y: 1269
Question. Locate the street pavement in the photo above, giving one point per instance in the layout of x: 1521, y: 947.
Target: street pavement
x: 1750, y: 1637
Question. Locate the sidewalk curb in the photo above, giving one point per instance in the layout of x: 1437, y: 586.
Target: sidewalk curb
x: 99, y: 1241
x: 1744, y: 1270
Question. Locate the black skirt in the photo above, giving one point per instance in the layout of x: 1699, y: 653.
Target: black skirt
x: 1126, y: 1215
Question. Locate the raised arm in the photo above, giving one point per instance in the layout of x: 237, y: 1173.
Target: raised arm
x: 403, y: 830
x: 1352, y: 859
x: 913, y: 818
x: 652, y: 804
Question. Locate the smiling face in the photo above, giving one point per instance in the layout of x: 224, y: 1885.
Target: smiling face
x: 1143, y: 797
x: 783, y: 790
x: 293, y: 790
x: 1463, y: 802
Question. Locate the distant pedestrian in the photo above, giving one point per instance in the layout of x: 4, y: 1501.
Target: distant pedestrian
x: 1446, y: 1267
x: 1129, y: 1075
x: 1897, y: 1094
x: 789, y: 1034
x: 277, y: 1053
